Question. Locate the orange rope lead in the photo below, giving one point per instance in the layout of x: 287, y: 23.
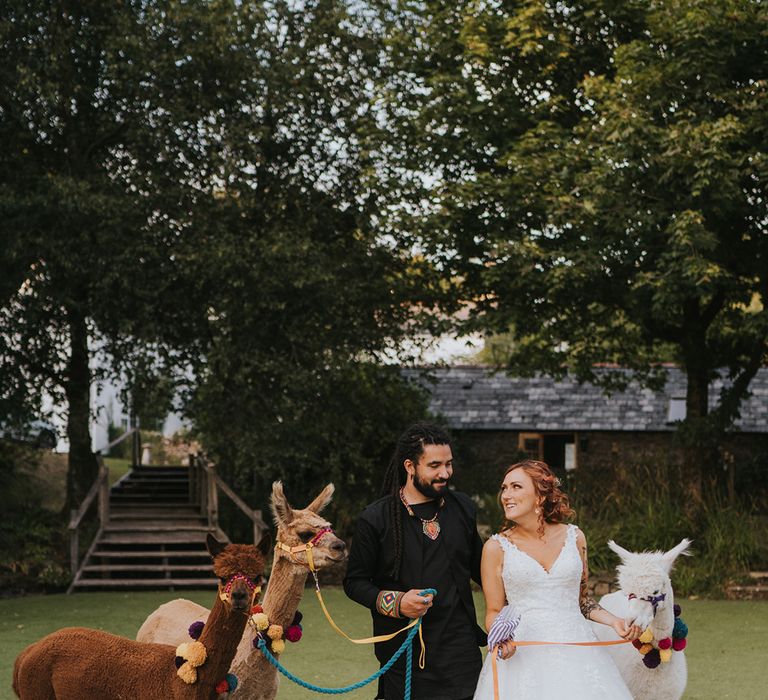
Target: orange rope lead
x: 494, y: 655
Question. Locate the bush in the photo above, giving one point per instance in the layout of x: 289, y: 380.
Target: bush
x: 645, y: 510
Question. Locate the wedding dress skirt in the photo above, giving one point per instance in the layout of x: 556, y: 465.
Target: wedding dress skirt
x: 548, y: 604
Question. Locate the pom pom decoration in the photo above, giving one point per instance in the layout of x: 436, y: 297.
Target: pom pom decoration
x: 679, y: 644
x: 647, y: 636
x: 261, y: 621
x: 652, y: 659
x: 680, y: 630
x: 646, y: 648
x: 677, y: 610
x: 196, y: 654
x: 256, y: 609
x: 187, y: 673
x: 182, y: 650
x: 293, y: 633
x: 196, y: 629
x: 665, y: 655
x: 278, y: 646
x: 179, y: 661
x: 275, y: 632
x: 222, y: 687
x: 637, y: 643
x: 297, y: 618
x: 665, y: 643
x: 232, y: 681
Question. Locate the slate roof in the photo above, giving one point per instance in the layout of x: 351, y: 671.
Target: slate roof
x: 475, y: 398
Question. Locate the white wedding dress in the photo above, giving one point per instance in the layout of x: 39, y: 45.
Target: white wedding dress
x: 548, y: 605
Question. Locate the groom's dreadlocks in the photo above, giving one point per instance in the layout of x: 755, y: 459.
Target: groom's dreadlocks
x: 410, y: 445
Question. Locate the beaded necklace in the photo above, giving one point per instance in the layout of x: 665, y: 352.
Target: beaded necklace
x: 431, y: 527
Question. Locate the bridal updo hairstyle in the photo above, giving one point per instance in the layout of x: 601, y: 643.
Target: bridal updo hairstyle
x: 555, y: 507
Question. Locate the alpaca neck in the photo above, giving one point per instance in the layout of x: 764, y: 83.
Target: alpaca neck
x: 281, y: 601
x: 221, y: 635
x: 284, y: 592
x: 664, y: 620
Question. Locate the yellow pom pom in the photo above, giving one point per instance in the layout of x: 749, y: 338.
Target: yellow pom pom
x: 196, y: 654
x: 666, y: 655
x: 646, y: 636
x: 275, y: 632
x: 278, y: 647
x: 645, y: 648
x: 187, y: 673
x: 261, y: 621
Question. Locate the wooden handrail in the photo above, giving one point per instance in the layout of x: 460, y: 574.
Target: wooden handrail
x: 211, y: 501
x: 118, y: 440
x: 99, y: 488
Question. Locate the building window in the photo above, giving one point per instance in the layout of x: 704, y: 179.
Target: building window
x: 676, y: 411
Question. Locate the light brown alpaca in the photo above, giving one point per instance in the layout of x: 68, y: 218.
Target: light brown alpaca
x: 76, y: 663
x: 258, y: 679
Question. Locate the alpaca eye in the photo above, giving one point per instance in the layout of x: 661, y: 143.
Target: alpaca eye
x: 306, y: 536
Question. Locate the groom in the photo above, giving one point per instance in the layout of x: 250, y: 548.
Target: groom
x: 421, y: 535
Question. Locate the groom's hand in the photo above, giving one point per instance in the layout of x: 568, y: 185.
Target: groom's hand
x: 414, y: 605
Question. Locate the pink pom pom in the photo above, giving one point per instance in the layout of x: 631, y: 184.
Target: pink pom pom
x: 293, y: 633
x: 665, y: 643
x: 679, y: 644
x: 222, y: 687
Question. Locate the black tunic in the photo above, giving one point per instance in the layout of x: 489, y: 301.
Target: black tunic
x: 451, y: 634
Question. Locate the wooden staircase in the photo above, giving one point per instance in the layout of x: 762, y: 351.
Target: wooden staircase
x: 152, y: 535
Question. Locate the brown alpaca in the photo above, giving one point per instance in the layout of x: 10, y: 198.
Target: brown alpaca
x: 258, y: 679
x: 76, y: 663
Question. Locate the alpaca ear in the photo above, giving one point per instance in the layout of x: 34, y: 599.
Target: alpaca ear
x: 624, y: 554
x: 214, y: 546
x: 323, y: 499
x: 668, y: 558
x: 280, y: 508
x: 265, y: 544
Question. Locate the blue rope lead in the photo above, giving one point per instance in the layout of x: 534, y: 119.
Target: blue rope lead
x: 407, y: 644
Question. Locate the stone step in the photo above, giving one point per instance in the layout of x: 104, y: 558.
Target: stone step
x: 148, y: 568
x: 153, y: 583
x: 138, y: 525
x: 151, y: 554
x: 153, y: 537
x: 747, y: 592
x: 759, y: 577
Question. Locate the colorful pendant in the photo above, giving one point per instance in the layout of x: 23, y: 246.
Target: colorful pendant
x: 431, y: 528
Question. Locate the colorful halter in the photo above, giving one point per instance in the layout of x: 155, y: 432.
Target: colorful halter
x: 654, y: 600
x: 297, y: 549
x: 226, y: 589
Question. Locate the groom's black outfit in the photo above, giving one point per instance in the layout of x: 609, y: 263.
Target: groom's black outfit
x: 451, y: 633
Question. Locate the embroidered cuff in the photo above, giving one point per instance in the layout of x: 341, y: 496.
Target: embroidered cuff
x: 388, y: 603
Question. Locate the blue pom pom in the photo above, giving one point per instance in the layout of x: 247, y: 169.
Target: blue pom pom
x: 297, y: 618
x: 231, y: 679
x: 196, y: 629
x: 179, y: 661
x: 677, y: 610
x: 680, y: 630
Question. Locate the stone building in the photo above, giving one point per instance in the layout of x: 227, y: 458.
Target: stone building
x: 575, y: 427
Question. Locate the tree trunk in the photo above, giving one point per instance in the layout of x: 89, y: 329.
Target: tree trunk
x: 83, y: 467
x: 696, y: 434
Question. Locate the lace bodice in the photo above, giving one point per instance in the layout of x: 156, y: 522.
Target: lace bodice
x: 547, y: 601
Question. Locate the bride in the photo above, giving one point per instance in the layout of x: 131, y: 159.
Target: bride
x: 538, y: 565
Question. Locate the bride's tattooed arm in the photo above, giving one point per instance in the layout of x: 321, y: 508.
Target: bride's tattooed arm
x: 587, y: 604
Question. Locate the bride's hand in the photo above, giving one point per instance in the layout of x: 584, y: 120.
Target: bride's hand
x: 625, y: 631
x: 506, y: 650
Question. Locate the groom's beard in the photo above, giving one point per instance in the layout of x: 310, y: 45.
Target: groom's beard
x: 426, y: 488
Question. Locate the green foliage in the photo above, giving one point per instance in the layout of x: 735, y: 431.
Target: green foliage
x: 32, y: 539
x: 644, y: 510
x: 597, y: 182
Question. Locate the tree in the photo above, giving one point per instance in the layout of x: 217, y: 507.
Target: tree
x: 602, y: 190
x: 108, y: 118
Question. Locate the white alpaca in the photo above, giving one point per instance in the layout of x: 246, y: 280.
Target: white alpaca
x: 646, y: 597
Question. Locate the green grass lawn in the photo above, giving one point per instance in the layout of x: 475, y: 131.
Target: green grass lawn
x: 726, y: 655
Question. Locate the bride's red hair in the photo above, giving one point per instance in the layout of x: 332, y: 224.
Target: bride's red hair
x: 555, y: 506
